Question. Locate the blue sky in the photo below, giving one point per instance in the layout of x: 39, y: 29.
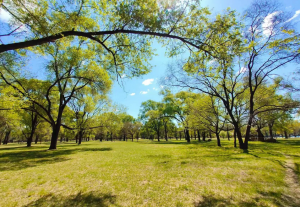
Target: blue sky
x: 137, y: 90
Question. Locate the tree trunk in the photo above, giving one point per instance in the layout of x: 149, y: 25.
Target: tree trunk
x: 36, y: 139
x: 203, y: 136
x: 187, y: 135
x: 234, y: 134
x: 80, y: 135
x: 166, y: 132
x: 260, y: 135
x: 180, y: 135
x: 239, y: 136
x: 228, y: 137
x: 132, y: 137
x: 199, y: 138
x: 33, y: 127
x: 6, y: 138
x: 218, y: 139
x: 271, y: 131
x: 54, y: 137
x: 166, y: 135
x: 158, y: 135
x: 285, y: 134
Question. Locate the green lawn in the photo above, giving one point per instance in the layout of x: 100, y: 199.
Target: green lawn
x: 147, y: 173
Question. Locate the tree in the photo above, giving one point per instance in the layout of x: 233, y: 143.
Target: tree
x: 238, y: 70
x: 84, y: 110
x: 10, y: 118
x: 150, y: 115
x: 106, y: 23
x: 209, y: 111
x: 31, y: 120
x: 71, y: 72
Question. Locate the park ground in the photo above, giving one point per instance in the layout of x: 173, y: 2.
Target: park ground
x: 147, y: 173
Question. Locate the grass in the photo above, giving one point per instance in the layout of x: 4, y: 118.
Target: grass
x: 147, y: 173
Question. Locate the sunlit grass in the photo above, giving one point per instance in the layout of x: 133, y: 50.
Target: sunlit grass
x: 146, y: 173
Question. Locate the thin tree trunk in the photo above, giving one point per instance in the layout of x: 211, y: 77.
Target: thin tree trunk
x: 199, y: 138
x: 187, y: 133
x: 234, y: 134
x: 203, y: 136
x: 166, y: 132
x: 218, y: 139
x: 228, y: 137
x: 285, y: 134
x: 271, y: 131
x: 260, y: 135
x: 36, y: 139
x: 80, y: 136
x: 6, y: 138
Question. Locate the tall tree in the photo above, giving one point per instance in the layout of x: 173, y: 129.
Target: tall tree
x: 248, y: 56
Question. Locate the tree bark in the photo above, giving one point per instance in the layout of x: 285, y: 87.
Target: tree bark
x: 271, y: 131
x: 187, y: 135
x: 234, y: 134
x: 199, y: 137
x: 203, y: 136
x: 6, y: 138
x: 80, y: 135
x: 260, y: 135
x: 33, y: 127
x: 166, y: 131
x: 285, y: 134
x: 218, y: 139
x: 158, y: 135
x: 36, y: 139
x: 54, y: 137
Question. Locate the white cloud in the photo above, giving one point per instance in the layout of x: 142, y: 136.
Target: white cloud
x: 143, y: 92
x: 242, y: 70
x: 4, y: 16
x: 297, y: 13
x: 123, y: 76
x: 132, y: 94
x: 269, y: 22
x: 161, y: 86
x: 148, y: 82
x: 211, y: 62
x: 156, y: 89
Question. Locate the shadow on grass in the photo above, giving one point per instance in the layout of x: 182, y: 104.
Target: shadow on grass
x: 25, y: 158
x: 263, y: 199
x: 183, y: 142
x: 91, y: 199
x: 95, y: 149
x: 20, y: 147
